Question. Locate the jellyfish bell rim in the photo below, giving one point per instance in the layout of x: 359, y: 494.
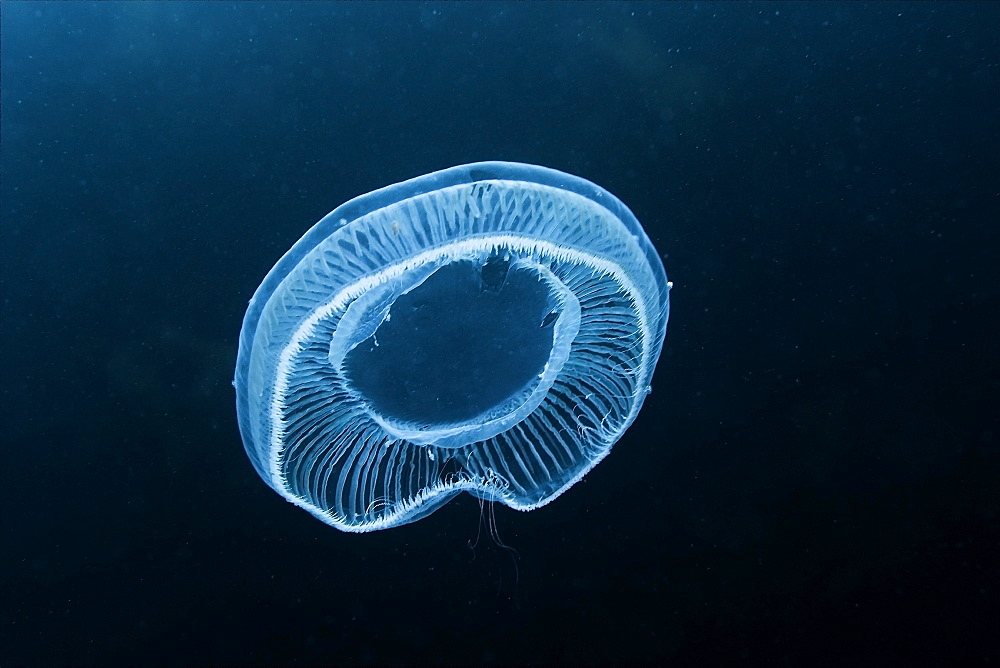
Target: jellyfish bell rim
x: 432, y: 496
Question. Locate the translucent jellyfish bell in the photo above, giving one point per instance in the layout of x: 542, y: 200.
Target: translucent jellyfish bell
x: 489, y: 328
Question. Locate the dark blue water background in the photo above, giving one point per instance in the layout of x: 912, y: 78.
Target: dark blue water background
x: 814, y: 479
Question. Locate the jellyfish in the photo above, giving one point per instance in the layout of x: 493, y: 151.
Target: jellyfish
x: 490, y: 328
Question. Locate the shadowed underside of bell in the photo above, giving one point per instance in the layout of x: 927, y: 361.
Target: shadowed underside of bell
x: 490, y: 328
